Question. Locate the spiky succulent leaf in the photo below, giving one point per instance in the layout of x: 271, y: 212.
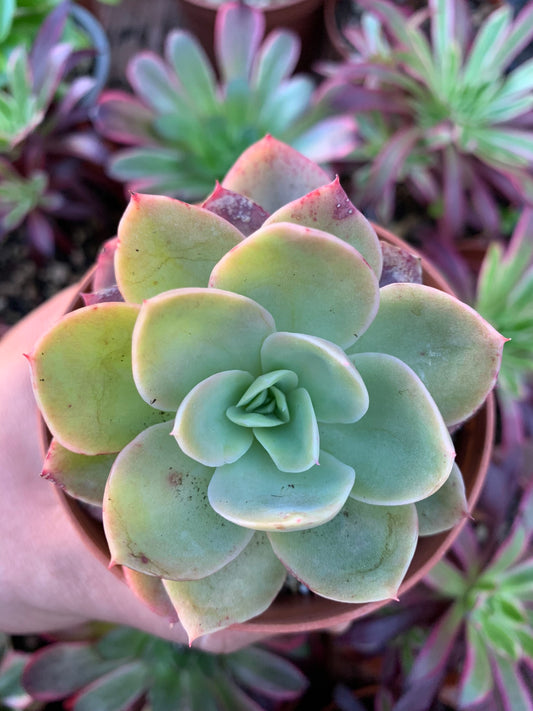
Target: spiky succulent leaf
x: 184, y: 336
x: 175, y: 533
x: 96, y: 409
x: 328, y: 208
x: 80, y: 475
x: 242, y: 589
x: 167, y: 244
x: 331, y: 290
x: 360, y: 556
x: 452, y: 349
x: 272, y: 500
x: 400, y: 450
x: 289, y: 176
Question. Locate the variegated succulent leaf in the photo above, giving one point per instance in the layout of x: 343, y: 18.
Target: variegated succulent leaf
x: 262, y: 404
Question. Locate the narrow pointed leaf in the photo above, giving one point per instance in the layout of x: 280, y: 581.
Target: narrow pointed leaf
x: 452, y: 349
x: 202, y: 429
x: 329, y: 209
x: 361, y: 555
x: 80, y: 475
x: 401, y: 449
x: 156, y: 515
x: 116, y: 691
x: 193, y: 69
x: 331, y: 290
x: 290, y: 175
x: 242, y: 589
x: 168, y: 244
x: 96, y: 409
x: 445, y: 508
x: 267, y: 673
x: 238, y: 32
x: 187, y: 335
x: 476, y: 681
x: 337, y: 390
x: 252, y: 492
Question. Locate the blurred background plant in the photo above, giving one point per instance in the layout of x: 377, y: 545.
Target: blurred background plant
x: 186, y: 127
x: 443, y: 111
x: 112, y: 668
x: 50, y: 157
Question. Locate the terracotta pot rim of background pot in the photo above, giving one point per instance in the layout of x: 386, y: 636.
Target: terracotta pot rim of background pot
x: 304, y: 613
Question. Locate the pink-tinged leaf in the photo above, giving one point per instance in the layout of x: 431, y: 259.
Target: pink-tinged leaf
x: 454, y: 199
x: 514, y: 693
x: 40, y: 233
x: 59, y: 670
x: 239, y: 30
x: 116, y: 691
x: 289, y: 176
x: 484, y: 203
x: 104, y: 275
x: 124, y: 119
x: 519, y: 36
x: 267, y: 674
x: 436, y: 651
x: 447, y: 579
x: 153, y: 81
x: 387, y: 168
x: 331, y: 139
x: 399, y: 265
x: 243, y: 213
x: 110, y: 293
x: 466, y: 547
x: 151, y: 591
x: 48, y: 37
x: 345, y: 97
x: 476, y: 679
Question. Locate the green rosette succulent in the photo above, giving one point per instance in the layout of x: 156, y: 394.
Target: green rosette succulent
x: 256, y: 404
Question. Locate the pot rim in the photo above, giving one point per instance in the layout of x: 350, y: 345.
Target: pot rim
x: 305, y: 613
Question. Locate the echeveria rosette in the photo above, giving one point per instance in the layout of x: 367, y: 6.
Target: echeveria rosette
x: 256, y: 410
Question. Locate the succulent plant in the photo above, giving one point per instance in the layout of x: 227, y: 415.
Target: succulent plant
x: 184, y: 128
x: 256, y: 403
x: 441, y: 108
x: 51, y: 160
x: 125, y: 668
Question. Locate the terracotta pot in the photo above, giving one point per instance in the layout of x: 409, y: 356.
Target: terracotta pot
x: 299, y: 613
x: 305, y: 17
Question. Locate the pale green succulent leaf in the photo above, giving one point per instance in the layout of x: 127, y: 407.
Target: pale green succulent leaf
x: 80, y: 475
x: 453, y: 350
x: 153, y: 83
x: 194, y: 71
x: 294, y: 445
x: 186, y: 335
x: 401, y: 449
x: 445, y: 508
x: 174, y: 532
x: 241, y: 417
x: 309, y: 280
x: 242, y: 589
x: 151, y: 592
x: 284, y: 379
x: 96, y: 409
x: 253, y: 493
x: 328, y: 208
x: 202, y: 429
x: 361, y: 555
x: 289, y: 176
x: 167, y: 244
x: 477, y: 678
x: 337, y: 390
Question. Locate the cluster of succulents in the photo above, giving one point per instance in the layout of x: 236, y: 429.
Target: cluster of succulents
x: 51, y: 159
x: 444, y: 110
x: 246, y: 400
x: 188, y: 121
